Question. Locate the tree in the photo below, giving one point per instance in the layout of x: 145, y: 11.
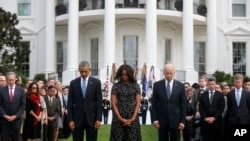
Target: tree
x: 221, y: 76
x: 12, y: 52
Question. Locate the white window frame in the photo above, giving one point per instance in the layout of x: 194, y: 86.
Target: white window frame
x: 18, y: 1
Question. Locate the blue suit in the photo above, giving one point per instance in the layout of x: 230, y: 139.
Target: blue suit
x: 84, y: 111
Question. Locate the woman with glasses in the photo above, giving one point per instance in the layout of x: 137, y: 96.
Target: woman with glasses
x: 32, y: 123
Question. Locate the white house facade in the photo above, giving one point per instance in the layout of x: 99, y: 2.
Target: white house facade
x: 198, y: 36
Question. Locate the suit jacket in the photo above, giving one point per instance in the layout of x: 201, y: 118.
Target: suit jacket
x: 16, y: 107
x: 53, y: 109
x: 238, y: 115
x: 91, y: 105
x: 213, y: 110
x: 173, y: 110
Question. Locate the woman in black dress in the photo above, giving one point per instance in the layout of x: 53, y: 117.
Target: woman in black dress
x: 32, y: 123
x: 125, y: 100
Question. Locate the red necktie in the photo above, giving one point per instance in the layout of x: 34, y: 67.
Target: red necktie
x: 11, y: 94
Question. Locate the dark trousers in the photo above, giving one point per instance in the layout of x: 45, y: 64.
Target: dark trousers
x: 49, y: 132
x: 78, y: 133
x: 144, y: 116
x: 211, y: 132
x: 188, y: 131
x: 11, y: 130
x: 167, y: 133
x: 105, y: 116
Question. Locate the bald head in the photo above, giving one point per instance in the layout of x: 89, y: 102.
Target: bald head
x: 169, y: 71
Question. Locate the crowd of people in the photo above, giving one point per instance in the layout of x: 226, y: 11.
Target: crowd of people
x: 34, y: 110
x: 203, y: 111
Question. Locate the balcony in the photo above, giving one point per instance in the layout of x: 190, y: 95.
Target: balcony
x: 199, y: 6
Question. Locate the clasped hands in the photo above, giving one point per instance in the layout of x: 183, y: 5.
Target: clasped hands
x: 210, y: 120
x: 127, y: 122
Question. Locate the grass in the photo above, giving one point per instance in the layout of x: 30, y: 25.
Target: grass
x: 149, y: 133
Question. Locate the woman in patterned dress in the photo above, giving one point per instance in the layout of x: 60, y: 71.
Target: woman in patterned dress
x: 125, y: 100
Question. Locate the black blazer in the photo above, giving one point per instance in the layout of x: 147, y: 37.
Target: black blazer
x: 213, y: 110
x: 172, y: 111
x: 91, y: 104
x: 238, y: 115
x: 16, y: 107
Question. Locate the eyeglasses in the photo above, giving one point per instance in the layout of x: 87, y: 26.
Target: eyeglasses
x: 34, y: 87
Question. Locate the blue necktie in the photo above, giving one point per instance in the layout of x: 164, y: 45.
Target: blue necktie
x: 238, y: 97
x: 168, y: 90
x: 83, y: 88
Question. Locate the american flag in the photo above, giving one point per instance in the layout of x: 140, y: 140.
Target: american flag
x: 144, y: 80
x: 151, y: 81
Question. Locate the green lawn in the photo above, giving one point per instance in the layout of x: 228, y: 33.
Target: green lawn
x: 149, y: 133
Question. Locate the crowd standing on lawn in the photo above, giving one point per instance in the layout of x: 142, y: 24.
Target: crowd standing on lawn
x: 203, y: 111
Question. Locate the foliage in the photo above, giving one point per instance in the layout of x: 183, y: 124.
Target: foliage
x: 23, y: 77
x: 40, y: 76
x: 221, y: 76
x: 11, y: 49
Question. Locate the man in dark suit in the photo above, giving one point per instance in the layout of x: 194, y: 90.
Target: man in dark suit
x: 12, y: 105
x: 85, y: 104
x: 211, y: 107
x: 169, y: 106
x: 144, y: 109
x: 238, y: 101
x: 202, y: 86
x: 106, y: 108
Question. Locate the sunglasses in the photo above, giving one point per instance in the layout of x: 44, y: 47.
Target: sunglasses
x: 34, y: 87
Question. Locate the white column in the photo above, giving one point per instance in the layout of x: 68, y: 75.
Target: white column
x: 109, y: 38
x: 211, y: 48
x: 50, y: 48
x: 73, y: 39
x: 109, y: 33
x: 188, y: 42
x: 151, y: 33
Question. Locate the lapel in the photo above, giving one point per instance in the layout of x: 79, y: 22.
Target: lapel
x: 234, y: 97
x: 206, y: 96
x: 89, y: 85
x: 163, y: 85
x: 242, y: 96
x: 175, y: 86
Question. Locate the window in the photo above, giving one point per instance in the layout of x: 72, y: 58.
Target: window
x: 167, y: 51
x: 61, y: 58
x: 25, y: 67
x: 95, y: 4
x: 24, y: 7
x: 238, y: 8
x: 130, y: 50
x: 200, y: 58
x: 94, y: 56
x: 239, y: 58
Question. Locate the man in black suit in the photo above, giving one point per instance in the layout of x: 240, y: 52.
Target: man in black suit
x: 238, y: 101
x: 85, y: 104
x: 144, y: 109
x: 169, y: 106
x: 211, y: 107
x: 12, y: 105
